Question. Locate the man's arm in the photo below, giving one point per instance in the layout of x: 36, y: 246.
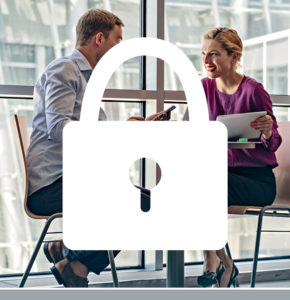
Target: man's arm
x: 60, y: 87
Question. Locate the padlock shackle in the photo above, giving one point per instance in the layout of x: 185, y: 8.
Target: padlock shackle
x: 128, y: 49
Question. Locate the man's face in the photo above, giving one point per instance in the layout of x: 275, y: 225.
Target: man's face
x: 114, y: 38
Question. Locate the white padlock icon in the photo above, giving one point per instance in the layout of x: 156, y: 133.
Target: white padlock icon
x: 189, y: 205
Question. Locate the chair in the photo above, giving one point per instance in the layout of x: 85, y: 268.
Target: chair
x: 21, y: 137
x: 281, y: 205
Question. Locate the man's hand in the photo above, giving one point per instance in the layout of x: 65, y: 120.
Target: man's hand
x: 136, y: 119
x: 162, y: 115
x: 264, y: 124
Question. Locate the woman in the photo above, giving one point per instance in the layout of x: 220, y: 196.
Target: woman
x: 250, y: 177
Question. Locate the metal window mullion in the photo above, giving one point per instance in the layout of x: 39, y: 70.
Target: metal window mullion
x: 73, y: 14
x: 214, y: 7
x: 54, y: 30
x: 267, y: 16
x: 143, y: 86
x: 26, y: 92
x: 160, y: 63
x: 288, y: 65
x: 160, y: 98
x: 143, y: 33
x: 265, y: 65
x: 154, y: 78
x: 40, y: 59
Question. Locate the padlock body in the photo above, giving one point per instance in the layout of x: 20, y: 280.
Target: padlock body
x: 102, y: 207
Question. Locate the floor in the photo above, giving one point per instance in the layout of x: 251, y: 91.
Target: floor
x: 266, y: 278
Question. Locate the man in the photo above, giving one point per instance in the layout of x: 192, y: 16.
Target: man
x: 58, y: 98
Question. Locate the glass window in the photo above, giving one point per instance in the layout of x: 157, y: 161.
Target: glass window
x: 25, y: 76
x: 264, y: 28
x: 33, y: 33
x: 277, y: 67
x: 282, y: 114
x: 252, y: 61
x: 178, y: 113
x: 17, y: 53
x: 262, y: 25
x: 18, y: 232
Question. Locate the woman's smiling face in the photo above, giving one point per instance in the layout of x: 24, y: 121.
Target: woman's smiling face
x: 216, y: 60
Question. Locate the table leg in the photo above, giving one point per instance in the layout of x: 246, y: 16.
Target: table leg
x: 175, y: 268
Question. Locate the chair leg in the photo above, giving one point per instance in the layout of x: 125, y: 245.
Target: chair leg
x: 236, y: 284
x: 37, y: 247
x: 113, y: 268
x: 228, y: 251
x: 257, y: 246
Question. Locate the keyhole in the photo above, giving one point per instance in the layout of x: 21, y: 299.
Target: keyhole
x: 145, y: 174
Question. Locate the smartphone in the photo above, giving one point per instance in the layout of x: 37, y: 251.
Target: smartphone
x: 167, y: 111
x: 171, y: 108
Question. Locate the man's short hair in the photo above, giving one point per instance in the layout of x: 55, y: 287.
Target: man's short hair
x: 94, y: 21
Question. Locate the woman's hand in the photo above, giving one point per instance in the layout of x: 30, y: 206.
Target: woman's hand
x: 264, y: 124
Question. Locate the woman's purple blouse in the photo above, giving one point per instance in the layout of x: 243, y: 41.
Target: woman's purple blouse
x: 249, y: 97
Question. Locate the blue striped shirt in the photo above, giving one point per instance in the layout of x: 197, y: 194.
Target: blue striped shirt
x: 57, y: 99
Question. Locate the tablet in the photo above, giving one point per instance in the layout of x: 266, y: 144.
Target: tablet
x: 239, y: 125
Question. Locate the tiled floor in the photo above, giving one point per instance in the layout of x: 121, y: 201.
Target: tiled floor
x: 270, y: 284
x: 267, y: 277
x: 127, y: 279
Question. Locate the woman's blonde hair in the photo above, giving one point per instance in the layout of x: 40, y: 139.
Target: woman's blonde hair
x: 228, y: 39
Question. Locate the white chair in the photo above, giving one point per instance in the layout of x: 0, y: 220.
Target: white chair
x: 281, y: 205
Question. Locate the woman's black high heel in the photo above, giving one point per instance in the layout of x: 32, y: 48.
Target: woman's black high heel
x: 234, y: 275
x: 210, y: 278
x: 219, y: 273
x: 207, y: 279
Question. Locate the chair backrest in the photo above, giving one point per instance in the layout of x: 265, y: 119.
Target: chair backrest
x: 282, y: 172
x: 21, y: 137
